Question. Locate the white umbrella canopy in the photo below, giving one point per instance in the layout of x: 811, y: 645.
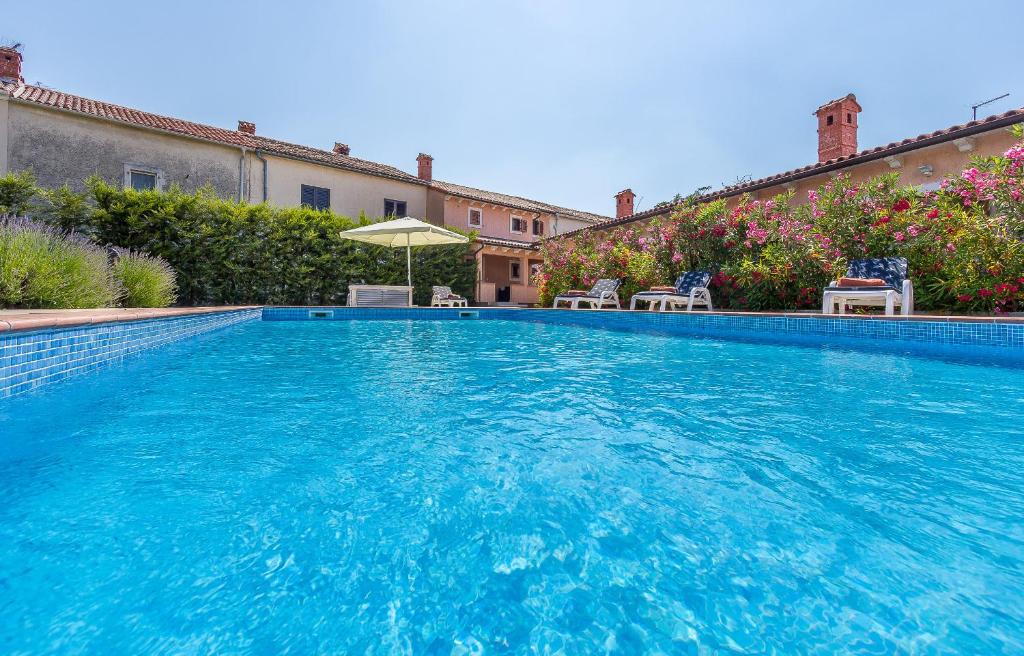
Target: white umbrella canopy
x: 405, y: 232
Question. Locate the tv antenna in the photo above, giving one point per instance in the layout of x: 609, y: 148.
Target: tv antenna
x: 974, y: 108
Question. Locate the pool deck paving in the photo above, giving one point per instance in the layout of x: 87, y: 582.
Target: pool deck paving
x: 15, y: 320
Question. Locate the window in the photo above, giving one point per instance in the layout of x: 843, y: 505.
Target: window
x: 849, y: 117
x: 476, y: 217
x: 394, y: 208
x: 318, y: 198
x: 538, y: 227
x: 534, y: 272
x: 141, y: 177
x: 828, y: 120
x: 142, y: 180
x: 517, y: 224
x: 514, y: 274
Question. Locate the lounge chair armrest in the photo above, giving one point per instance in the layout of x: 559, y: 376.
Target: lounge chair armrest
x: 908, y: 288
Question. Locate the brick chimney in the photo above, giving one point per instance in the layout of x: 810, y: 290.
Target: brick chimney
x: 341, y: 149
x: 247, y: 127
x: 624, y: 203
x: 837, y: 128
x: 425, y: 170
x: 10, y: 64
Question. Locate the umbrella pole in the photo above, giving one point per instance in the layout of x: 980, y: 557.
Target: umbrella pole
x: 408, y: 259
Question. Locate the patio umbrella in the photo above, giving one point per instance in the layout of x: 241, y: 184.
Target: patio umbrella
x: 407, y: 232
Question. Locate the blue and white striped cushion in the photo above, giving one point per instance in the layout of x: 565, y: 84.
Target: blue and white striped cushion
x: 893, y: 270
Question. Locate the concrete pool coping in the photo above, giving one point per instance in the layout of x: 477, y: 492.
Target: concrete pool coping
x: 19, y: 320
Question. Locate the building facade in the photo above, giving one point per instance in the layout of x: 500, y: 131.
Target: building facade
x: 510, y: 229
x: 64, y: 139
x: 922, y: 161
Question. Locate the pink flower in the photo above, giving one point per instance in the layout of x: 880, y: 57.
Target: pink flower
x: 898, y: 236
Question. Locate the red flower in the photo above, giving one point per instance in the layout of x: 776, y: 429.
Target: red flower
x: 964, y: 298
x: 984, y: 292
x: 902, y: 205
x: 934, y: 214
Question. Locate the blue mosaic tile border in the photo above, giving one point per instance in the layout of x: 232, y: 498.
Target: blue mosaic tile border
x: 958, y: 338
x: 41, y: 357
x: 386, y: 314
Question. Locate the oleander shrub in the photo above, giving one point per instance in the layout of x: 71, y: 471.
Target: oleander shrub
x: 44, y: 267
x: 964, y: 243
x: 146, y: 281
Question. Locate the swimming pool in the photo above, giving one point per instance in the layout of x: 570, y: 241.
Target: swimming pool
x: 501, y: 486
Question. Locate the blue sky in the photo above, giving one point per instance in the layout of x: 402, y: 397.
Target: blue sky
x: 566, y: 102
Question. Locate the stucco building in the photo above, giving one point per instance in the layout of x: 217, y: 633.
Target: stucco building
x: 922, y: 161
x: 510, y: 230
x: 65, y: 138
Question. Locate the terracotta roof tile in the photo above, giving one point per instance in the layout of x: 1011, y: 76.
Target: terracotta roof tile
x: 1014, y: 116
x: 78, y: 104
x: 878, y: 152
x: 509, y: 243
x: 516, y: 202
x: 110, y: 111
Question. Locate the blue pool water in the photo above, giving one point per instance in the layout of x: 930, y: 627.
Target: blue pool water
x: 506, y: 487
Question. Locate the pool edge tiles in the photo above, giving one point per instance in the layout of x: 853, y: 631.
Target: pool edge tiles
x: 33, y: 358
x: 928, y: 335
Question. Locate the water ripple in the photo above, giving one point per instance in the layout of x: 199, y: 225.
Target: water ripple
x: 491, y: 487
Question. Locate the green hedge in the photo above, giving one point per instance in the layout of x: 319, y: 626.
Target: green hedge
x: 226, y: 252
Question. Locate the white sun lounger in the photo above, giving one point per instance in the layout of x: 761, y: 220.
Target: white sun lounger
x: 604, y: 292
x: 691, y: 289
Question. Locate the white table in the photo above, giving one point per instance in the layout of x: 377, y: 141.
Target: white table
x: 379, y: 296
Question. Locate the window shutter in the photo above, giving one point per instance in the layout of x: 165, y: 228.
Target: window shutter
x: 308, y: 197
x: 323, y: 198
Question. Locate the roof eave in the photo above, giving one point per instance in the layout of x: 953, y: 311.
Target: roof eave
x: 138, y: 126
x: 340, y: 165
x: 862, y: 158
x: 224, y: 144
x: 873, y: 155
